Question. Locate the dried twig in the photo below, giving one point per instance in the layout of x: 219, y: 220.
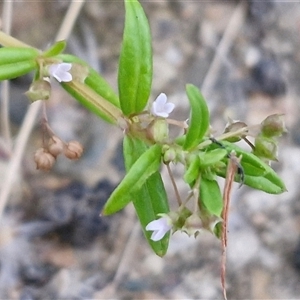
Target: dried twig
x: 231, y: 170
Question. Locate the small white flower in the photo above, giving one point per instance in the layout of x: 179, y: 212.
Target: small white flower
x: 159, y: 227
x: 61, y: 72
x: 160, y: 107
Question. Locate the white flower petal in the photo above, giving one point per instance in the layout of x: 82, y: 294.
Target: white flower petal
x: 161, y: 99
x: 61, y: 72
x: 169, y: 107
x: 159, y: 227
x: 160, y: 107
x: 157, y: 235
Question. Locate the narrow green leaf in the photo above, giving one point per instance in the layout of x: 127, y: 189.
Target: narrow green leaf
x: 94, y: 80
x: 192, y: 171
x: 10, y: 55
x: 248, y: 159
x: 147, y: 164
x: 199, y: 118
x: 212, y: 157
x: 135, y: 65
x: 258, y: 174
x: 55, y: 49
x: 210, y: 196
x: 151, y: 199
x: 14, y: 70
x: 270, y: 183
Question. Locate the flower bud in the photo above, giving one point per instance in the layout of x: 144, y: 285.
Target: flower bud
x: 265, y: 148
x: 169, y: 155
x: 273, y: 125
x: 55, y: 146
x: 159, y: 130
x: 73, y: 150
x: 39, y: 90
x: 43, y: 159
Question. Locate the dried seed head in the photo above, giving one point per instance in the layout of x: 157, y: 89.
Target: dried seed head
x: 73, y: 150
x: 56, y: 146
x: 43, y: 159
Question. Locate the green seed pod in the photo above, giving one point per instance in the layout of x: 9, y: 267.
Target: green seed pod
x: 265, y: 148
x: 273, y: 126
x: 39, y: 90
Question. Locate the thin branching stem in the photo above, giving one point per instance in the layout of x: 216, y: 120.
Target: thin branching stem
x: 174, y: 185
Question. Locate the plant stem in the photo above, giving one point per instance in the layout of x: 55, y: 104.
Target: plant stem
x: 8, y: 41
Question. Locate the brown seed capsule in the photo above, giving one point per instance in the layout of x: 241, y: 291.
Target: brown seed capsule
x: 55, y: 146
x: 73, y: 150
x: 43, y: 159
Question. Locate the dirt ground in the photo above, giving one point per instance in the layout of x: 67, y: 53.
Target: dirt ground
x: 244, y: 56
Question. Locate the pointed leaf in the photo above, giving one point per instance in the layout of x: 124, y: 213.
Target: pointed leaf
x: 210, y: 196
x: 199, y: 118
x: 211, y: 157
x: 55, y: 49
x: 151, y: 199
x: 147, y: 164
x: 135, y: 66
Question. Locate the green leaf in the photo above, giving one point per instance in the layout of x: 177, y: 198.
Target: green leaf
x: 147, y: 164
x: 94, y: 80
x: 93, y: 101
x: 192, y: 171
x: 10, y: 55
x: 135, y: 65
x: 270, y: 183
x: 55, y: 49
x: 199, y: 118
x: 14, y: 70
x: 249, y: 161
x: 210, y: 196
x: 212, y: 157
x: 258, y: 175
x: 151, y: 199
